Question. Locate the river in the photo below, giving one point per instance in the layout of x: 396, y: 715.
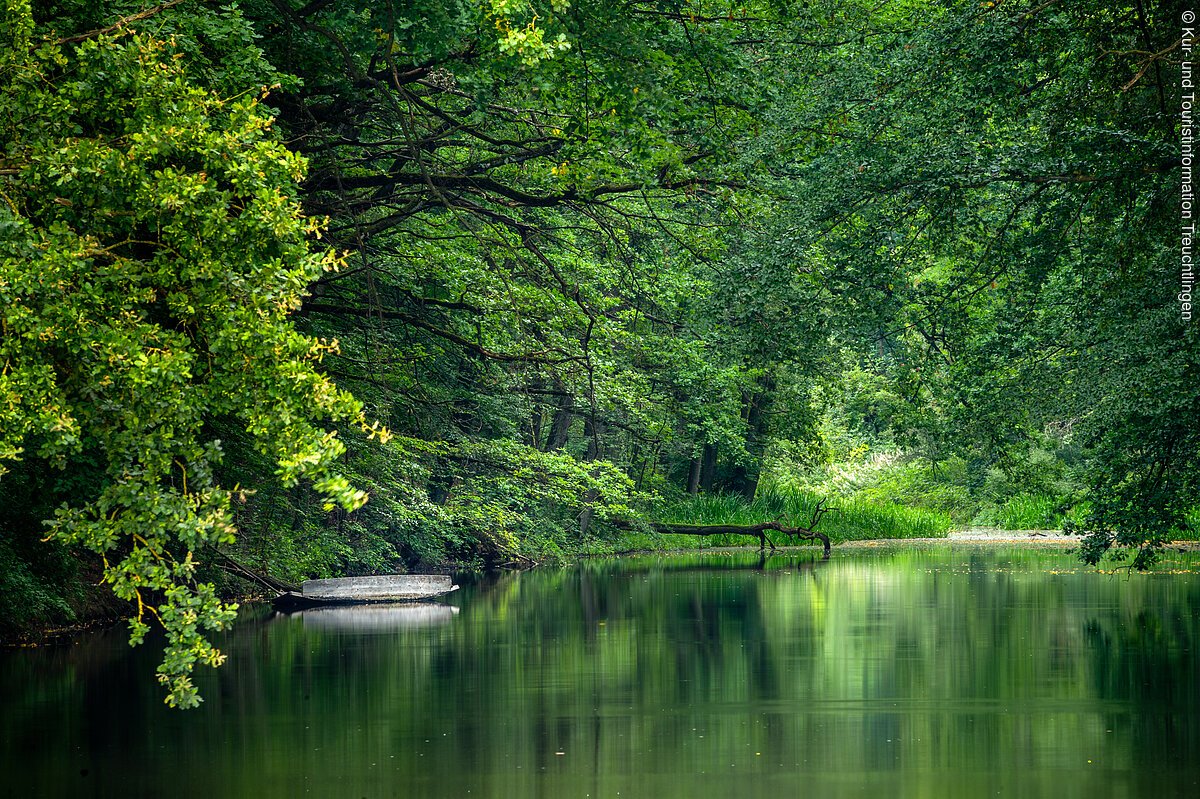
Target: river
x: 901, y: 671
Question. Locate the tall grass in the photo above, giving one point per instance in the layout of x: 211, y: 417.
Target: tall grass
x: 1031, y: 512
x: 888, y: 479
x: 1190, y: 530
x: 851, y: 519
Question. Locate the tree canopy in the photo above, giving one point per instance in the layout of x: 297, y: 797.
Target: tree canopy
x: 512, y: 269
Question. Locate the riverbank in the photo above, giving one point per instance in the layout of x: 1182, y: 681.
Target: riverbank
x: 1000, y: 535
x: 967, y: 536
x: 627, y: 544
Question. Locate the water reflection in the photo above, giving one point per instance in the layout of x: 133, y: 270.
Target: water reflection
x: 915, y: 672
x: 380, y: 618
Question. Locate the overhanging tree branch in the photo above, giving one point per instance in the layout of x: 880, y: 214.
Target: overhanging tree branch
x: 122, y: 22
x: 441, y: 332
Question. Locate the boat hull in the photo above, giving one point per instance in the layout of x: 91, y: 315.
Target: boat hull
x: 392, y: 588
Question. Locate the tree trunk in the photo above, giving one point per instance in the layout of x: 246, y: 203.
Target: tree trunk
x: 561, y: 427
x: 537, y: 416
x: 708, y: 467
x: 756, y: 404
x: 693, y: 486
x: 593, y: 430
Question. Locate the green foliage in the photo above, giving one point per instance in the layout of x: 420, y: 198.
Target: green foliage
x: 536, y: 301
x: 989, y: 192
x: 910, y: 256
x: 526, y: 42
x: 153, y: 249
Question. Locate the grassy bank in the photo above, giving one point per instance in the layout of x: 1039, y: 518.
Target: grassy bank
x: 885, y: 496
x: 851, y: 519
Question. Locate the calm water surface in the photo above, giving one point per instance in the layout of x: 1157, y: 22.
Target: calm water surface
x: 902, y: 672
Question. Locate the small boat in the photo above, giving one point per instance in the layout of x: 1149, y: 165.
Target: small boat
x: 362, y: 590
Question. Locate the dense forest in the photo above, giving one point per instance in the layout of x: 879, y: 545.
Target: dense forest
x: 340, y: 287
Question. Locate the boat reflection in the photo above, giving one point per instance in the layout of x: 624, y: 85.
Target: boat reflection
x: 377, y: 618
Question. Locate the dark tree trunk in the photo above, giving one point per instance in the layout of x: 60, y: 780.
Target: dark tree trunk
x: 533, y: 436
x: 693, y: 486
x: 708, y: 467
x: 537, y: 422
x: 593, y: 430
x: 561, y: 426
x: 439, y: 487
x: 744, y: 480
x: 755, y: 406
x: 537, y: 416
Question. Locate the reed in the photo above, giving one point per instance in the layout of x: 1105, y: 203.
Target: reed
x: 1031, y: 512
x: 851, y: 519
x: 1190, y: 530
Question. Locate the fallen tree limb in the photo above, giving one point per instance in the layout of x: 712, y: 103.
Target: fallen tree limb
x: 138, y: 17
x: 233, y: 567
x: 759, y: 530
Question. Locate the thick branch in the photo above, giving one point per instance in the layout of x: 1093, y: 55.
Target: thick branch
x: 478, y: 349
x: 485, y: 184
x: 759, y: 530
x: 149, y: 12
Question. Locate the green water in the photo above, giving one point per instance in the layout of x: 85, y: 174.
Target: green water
x: 904, y: 672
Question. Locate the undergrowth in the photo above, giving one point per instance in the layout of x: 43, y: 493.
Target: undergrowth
x: 846, y: 520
